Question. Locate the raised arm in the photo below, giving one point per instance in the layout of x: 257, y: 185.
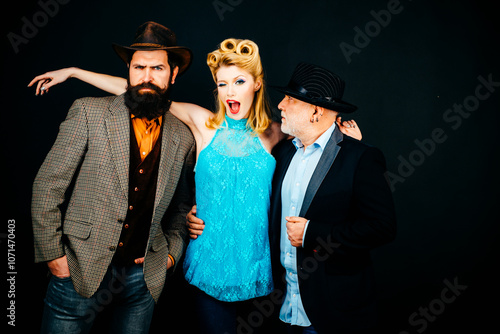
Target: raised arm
x: 108, y: 83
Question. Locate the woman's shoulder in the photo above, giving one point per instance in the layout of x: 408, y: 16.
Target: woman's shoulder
x: 194, y: 116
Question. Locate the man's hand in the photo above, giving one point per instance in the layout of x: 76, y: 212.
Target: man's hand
x: 59, y: 267
x: 295, y: 230
x: 141, y: 260
x: 195, y: 225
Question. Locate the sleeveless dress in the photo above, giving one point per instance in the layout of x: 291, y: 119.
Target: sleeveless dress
x: 230, y: 261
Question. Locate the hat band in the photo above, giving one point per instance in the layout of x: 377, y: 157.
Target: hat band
x: 305, y: 92
x: 293, y: 85
x: 148, y: 45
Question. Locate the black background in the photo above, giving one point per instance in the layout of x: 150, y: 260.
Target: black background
x: 404, y: 79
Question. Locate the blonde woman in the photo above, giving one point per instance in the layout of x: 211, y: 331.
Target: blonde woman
x: 229, y: 263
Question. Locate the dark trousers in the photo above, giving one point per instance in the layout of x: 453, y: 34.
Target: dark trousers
x: 244, y: 317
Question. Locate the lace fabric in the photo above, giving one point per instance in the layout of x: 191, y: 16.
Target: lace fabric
x: 230, y: 261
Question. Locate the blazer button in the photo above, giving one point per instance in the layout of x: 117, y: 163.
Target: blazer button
x: 112, y: 248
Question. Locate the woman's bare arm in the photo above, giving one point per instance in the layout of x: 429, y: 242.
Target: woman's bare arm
x: 108, y: 83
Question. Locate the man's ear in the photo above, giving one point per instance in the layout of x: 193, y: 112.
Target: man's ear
x: 318, y: 110
x: 174, y: 74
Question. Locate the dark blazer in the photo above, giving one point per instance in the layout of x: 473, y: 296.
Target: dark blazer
x: 93, y: 147
x: 351, y: 211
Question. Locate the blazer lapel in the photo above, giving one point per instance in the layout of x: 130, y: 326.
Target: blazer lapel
x: 283, y: 162
x: 169, y: 145
x: 118, y: 127
x: 325, y: 162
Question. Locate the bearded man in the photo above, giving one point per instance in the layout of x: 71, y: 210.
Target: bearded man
x: 131, y: 164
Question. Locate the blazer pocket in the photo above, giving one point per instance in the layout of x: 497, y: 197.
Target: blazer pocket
x: 77, y: 229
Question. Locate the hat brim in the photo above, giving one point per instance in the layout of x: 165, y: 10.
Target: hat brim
x: 338, y: 105
x: 184, y: 55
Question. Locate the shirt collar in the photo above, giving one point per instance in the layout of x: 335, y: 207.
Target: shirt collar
x: 157, y: 120
x: 320, y: 142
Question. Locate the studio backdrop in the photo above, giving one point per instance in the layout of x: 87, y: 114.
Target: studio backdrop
x: 423, y: 73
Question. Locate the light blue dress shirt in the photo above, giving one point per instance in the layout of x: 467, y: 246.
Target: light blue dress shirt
x: 293, y: 190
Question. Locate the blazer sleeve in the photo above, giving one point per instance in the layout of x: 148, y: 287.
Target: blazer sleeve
x: 371, y: 221
x: 52, y: 181
x: 174, y: 220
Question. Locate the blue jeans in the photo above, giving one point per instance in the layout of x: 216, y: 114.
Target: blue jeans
x: 123, y: 289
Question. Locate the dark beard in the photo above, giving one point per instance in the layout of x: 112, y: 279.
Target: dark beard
x: 148, y: 105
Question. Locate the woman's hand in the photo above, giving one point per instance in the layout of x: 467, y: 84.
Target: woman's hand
x: 349, y: 128
x: 49, y: 79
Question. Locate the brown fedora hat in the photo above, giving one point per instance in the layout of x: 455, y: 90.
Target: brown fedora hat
x: 151, y: 36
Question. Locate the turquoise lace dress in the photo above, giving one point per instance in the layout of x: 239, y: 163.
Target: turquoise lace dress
x: 230, y: 261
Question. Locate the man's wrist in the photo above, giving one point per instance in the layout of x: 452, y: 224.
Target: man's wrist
x: 171, y: 259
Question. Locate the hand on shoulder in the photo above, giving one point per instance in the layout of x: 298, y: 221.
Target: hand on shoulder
x: 349, y: 128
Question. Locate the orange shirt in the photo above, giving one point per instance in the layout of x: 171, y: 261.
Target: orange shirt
x: 146, y: 133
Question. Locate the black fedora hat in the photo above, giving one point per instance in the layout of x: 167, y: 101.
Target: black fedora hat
x: 317, y: 86
x: 151, y: 36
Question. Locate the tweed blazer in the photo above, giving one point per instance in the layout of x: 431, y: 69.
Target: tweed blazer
x: 92, y: 153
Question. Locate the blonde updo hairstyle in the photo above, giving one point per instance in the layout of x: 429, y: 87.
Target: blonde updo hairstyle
x: 245, y: 54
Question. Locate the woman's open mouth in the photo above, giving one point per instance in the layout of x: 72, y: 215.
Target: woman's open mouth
x: 234, y: 106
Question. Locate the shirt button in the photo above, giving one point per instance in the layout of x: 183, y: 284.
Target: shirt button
x: 294, y: 295
x: 131, y: 207
x: 112, y: 248
x: 143, y: 153
x: 121, y: 245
